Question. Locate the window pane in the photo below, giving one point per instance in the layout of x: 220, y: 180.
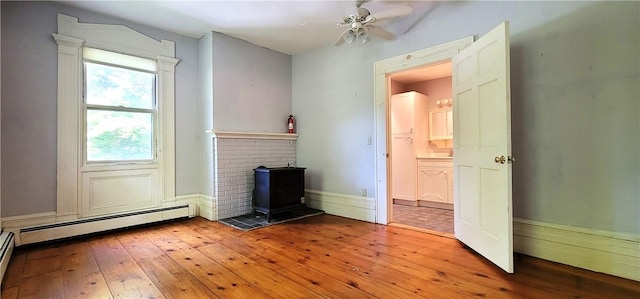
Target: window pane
x: 115, y: 135
x: 114, y: 86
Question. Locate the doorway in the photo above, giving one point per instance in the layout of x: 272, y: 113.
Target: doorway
x: 421, y: 148
x: 384, y: 69
x: 481, y: 86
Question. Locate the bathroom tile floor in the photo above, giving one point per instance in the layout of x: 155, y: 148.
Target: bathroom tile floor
x: 424, y: 217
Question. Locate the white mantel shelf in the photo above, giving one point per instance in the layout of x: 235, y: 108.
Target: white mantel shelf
x: 253, y: 135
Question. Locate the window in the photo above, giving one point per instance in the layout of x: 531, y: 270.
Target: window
x: 119, y: 108
x: 116, y: 126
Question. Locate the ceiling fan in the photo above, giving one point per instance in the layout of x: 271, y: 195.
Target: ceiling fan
x: 361, y: 24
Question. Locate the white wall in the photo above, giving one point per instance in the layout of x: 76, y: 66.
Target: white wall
x: 29, y: 91
x: 251, y: 87
x: 575, y: 106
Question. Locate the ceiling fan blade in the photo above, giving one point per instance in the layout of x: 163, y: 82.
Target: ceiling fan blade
x: 393, y: 12
x: 381, y: 33
x: 340, y: 40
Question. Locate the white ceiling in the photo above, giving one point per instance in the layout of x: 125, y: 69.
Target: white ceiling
x: 290, y: 27
x: 430, y: 72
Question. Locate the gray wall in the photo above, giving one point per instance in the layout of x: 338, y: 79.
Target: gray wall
x: 29, y: 92
x: 243, y: 88
x: 251, y: 87
x: 1, y: 227
x: 575, y: 106
x: 206, y: 113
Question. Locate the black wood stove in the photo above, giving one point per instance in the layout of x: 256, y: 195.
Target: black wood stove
x: 278, y: 190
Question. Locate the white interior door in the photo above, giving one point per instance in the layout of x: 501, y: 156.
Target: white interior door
x: 482, y: 145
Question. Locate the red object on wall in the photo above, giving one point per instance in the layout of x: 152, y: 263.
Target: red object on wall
x: 291, y: 124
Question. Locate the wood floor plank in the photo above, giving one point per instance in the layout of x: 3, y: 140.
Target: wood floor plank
x: 13, y: 274
x: 415, y: 264
x: 264, y: 278
x: 81, y: 275
x: 315, y: 280
x: 469, y: 265
x: 10, y: 292
x: 334, y: 268
x: 321, y: 256
x: 221, y: 281
x: 123, y: 275
x: 47, y: 285
x: 169, y: 276
x: 173, y: 280
x: 423, y: 281
x: 42, y: 261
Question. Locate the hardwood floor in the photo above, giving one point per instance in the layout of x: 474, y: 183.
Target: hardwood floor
x: 318, y: 257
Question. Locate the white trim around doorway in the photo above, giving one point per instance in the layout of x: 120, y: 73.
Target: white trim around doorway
x: 383, y: 69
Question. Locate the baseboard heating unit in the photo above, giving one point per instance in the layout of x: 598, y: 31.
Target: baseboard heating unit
x: 61, y: 230
x: 7, y: 240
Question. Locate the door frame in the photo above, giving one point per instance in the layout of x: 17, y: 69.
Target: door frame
x: 382, y: 70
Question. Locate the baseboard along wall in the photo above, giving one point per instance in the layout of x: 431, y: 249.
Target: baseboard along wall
x: 349, y: 206
x: 600, y: 251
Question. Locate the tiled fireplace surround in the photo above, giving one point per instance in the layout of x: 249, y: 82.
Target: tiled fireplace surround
x: 235, y: 155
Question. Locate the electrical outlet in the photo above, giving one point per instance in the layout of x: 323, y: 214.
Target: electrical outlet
x: 369, y: 140
x: 364, y: 192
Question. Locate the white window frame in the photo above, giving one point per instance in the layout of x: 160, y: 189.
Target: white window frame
x: 72, y: 36
x: 86, y: 164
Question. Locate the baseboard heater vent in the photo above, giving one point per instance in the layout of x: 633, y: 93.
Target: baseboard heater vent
x: 7, y: 239
x: 48, y: 232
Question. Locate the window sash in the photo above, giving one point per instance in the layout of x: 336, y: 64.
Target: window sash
x: 153, y: 111
x: 125, y: 138
x: 120, y: 60
x: 154, y: 88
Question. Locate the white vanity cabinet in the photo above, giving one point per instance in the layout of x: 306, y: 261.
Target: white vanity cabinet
x: 435, y: 180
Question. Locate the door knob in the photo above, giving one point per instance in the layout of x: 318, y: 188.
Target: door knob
x: 500, y: 159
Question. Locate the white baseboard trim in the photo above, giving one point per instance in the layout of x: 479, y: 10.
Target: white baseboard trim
x: 193, y: 200
x: 349, y: 206
x: 208, y: 208
x: 7, y: 243
x: 600, y: 251
x: 28, y: 220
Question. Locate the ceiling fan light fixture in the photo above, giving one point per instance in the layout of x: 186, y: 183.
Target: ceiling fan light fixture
x: 365, y: 39
x: 349, y: 36
x: 362, y: 24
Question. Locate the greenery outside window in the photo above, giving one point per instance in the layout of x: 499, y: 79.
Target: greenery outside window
x: 119, y: 109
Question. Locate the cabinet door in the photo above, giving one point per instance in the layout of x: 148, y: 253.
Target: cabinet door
x: 450, y: 123
x: 440, y: 124
x: 432, y: 184
x: 403, y: 167
x: 402, y: 116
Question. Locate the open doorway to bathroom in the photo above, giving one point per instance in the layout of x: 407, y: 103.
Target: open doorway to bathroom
x: 421, y: 142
